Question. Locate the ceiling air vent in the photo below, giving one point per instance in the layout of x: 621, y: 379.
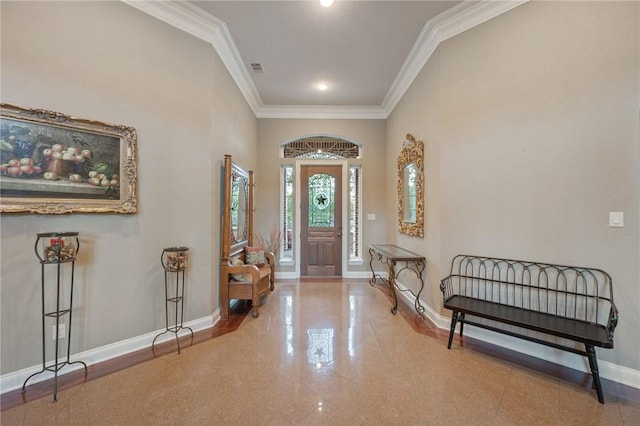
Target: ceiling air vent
x: 257, y: 67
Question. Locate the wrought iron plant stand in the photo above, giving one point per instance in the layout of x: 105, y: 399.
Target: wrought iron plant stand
x: 174, y: 262
x: 63, y: 249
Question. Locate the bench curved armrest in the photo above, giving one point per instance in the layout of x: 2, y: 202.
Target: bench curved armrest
x: 271, y: 260
x: 443, y: 283
x: 613, y: 320
x: 446, y: 286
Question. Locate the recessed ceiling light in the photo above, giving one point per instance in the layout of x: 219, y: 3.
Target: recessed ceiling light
x: 322, y: 87
x: 326, y: 3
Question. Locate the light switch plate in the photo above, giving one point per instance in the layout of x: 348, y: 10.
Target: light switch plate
x: 616, y: 219
x: 371, y: 216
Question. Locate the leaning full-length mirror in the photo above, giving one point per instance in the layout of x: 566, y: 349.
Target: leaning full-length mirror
x: 410, y: 188
x: 239, y: 202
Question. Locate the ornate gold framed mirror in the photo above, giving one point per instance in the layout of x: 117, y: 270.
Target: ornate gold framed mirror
x: 410, y: 188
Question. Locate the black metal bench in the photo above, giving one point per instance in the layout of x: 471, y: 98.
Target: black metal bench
x: 567, y: 302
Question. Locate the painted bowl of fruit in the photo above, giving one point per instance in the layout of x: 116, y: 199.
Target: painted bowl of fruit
x: 22, y: 168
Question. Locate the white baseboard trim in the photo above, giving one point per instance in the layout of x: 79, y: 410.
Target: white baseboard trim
x: 285, y: 276
x: 347, y: 274
x: 14, y: 380
x: 608, y: 370
x: 357, y: 274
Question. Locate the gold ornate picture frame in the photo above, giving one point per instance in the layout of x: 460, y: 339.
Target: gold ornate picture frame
x: 51, y: 163
x: 410, y: 188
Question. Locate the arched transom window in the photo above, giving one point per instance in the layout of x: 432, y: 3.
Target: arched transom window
x: 320, y: 147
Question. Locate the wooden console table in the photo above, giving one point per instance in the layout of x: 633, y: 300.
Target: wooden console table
x: 392, y: 255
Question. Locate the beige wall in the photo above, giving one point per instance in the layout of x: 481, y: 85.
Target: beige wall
x: 532, y: 134
x: 369, y: 133
x: 110, y: 62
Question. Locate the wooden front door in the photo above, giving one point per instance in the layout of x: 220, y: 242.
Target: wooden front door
x: 321, y: 214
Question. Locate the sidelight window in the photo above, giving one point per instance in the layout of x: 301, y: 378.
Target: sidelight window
x: 286, y: 181
x: 355, y: 200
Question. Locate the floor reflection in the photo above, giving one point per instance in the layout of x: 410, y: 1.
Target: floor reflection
x: 320, y: 347
x: 352, y: 325
x: 287, y: 314
x: 320, y: 340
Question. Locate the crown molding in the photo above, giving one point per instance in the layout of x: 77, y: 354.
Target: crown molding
x: 322, y: 112
x: 193, y: 20
x: 450, y: 23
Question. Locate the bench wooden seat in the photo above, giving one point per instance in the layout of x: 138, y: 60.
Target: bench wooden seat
x: 559, y: 301
x: 251, y: 273
x: 581, y: 331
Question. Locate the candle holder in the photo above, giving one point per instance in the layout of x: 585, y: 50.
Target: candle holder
x: 57, y: 247
x: 174, y: 260
x: 54, y: 249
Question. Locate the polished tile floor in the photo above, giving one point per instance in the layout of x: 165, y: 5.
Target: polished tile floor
x: 326, y: 352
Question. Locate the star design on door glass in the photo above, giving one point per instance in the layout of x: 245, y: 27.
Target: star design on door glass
x: 321, y: 199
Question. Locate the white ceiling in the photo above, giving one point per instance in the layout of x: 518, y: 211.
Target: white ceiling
x: 357, y: 47
x: 368, y: 52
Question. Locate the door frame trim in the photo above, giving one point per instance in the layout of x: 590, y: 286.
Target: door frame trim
x: 297, y: 253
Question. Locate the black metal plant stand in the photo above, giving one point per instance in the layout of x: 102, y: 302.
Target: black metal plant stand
x: 174, y: 262
x: 63, y: 249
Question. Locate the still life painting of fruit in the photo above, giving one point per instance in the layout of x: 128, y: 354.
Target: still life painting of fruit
x: 56, y: 157
x: 68, y: 163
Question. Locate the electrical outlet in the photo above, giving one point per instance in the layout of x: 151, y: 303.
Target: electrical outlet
x: 62, y: 331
